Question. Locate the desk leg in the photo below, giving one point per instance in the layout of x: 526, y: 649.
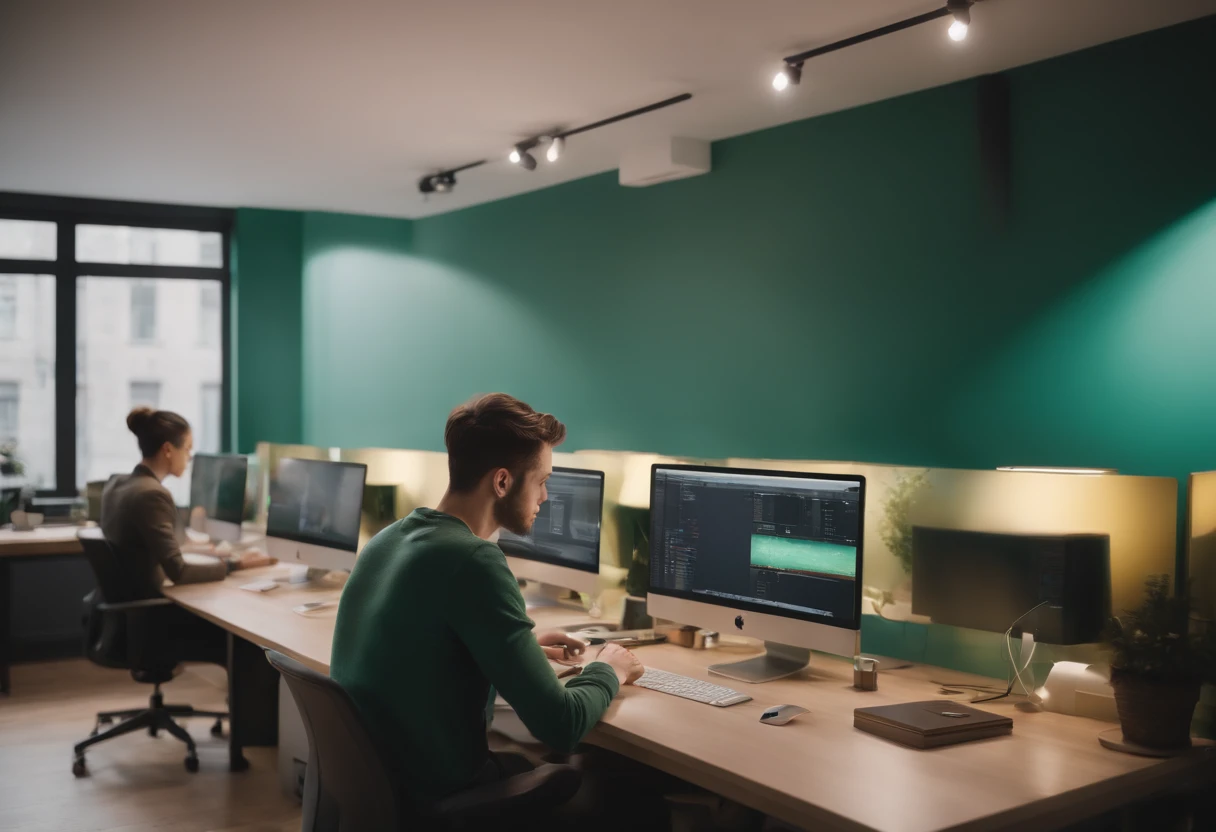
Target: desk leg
x: 253, y: 701
x: 6, y: 625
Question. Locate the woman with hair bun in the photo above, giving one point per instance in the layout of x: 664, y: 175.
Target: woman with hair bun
x: 139, y: 520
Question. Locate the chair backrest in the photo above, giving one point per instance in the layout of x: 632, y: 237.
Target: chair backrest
x: 349, y: 783
x: 111, y: 578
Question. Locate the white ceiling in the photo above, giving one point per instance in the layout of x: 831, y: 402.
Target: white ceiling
x: 344, y: 105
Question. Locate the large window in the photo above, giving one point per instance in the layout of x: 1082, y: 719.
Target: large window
x: 27, y: 374
x: 104, y: 306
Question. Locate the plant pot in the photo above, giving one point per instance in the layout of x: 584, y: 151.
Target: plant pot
x: 1152, y: 713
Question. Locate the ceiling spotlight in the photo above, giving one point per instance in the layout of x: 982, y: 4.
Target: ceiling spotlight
x: 788, y: 75
x: 556, y: 146
x: 440, y: 183
x: 520, y: 156
x: 962, y: 19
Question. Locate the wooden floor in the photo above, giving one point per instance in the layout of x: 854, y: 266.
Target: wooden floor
x: 135, y: 781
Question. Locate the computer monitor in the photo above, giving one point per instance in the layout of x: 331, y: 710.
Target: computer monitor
x: 989, y: 581
x: 563, y: 548
x: 314, y: 513
x: 217, y: 488
x: 775, y: 555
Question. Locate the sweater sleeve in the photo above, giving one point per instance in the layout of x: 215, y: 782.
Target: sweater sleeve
x: 490, y: 619
x: 161, y: 540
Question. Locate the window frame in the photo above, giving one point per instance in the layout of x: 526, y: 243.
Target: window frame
x: 69, y: 212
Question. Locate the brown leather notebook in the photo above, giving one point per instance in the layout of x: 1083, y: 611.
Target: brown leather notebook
x: 931, y: 724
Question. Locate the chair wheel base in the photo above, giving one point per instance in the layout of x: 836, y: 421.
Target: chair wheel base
x: 192, y: 764
x: 78, y: 767
x: 239, y: 764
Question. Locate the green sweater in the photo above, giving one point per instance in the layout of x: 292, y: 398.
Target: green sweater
x: 430, y: 623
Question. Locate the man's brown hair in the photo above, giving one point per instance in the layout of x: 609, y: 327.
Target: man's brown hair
x: 495, y: 431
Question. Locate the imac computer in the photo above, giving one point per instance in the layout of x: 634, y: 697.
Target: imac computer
x: 563, y: 548
x: 769, y: 554
x: 315, y: 509
x: 217, y: 491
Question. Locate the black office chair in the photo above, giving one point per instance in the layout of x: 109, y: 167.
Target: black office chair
x: 129, y: 634
x: 350, y: 783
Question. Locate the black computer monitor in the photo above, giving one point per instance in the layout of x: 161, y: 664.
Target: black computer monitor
x: 989, y: 580
x: 770, y: 554
x: 563, y: 548
x: 315, y: 512
x: 217, y: 487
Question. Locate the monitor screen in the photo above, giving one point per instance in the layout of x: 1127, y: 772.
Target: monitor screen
x: 217, y: 485
x: 567, y: 529
x: 782, y: 543
x: 317, y: 502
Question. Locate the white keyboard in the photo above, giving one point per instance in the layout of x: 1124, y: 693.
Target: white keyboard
x: 689, y: 688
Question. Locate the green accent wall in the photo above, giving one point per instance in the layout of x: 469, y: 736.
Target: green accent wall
x: 267, y: 324
x: 835, y: 288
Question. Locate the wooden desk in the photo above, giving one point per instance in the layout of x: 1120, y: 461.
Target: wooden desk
x: 818, y: 771
x: 44, y: 540
x: 14, y: 545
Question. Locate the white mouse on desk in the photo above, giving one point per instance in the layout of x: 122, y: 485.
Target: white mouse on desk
x: 781, y: 714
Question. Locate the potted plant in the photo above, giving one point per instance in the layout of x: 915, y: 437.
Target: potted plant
x: 1158, y: 667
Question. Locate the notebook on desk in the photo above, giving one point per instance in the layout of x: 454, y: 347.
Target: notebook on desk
x: 931, y: 724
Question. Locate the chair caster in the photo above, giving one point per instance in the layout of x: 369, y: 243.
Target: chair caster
x: 153, y: 731
x: 192, y: 764
x: 217, y: 730
x: 78, y: 767
x: 104, y: 720
x: 93, y: 733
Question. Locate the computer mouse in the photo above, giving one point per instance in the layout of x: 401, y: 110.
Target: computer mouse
x: 781, y: 714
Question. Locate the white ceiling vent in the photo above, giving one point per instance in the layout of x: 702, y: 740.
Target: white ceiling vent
x: 664, y: 161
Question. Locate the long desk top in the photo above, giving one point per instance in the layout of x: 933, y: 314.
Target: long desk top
x: 53, y: 539
x: 817, y: 771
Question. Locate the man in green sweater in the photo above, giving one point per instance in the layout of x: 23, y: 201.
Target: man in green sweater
x: 432, y: 622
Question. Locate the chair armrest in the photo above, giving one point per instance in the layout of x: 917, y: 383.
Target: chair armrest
x: 545, y: 787
x: 127, y: 606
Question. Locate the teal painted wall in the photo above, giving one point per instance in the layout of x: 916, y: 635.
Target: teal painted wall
x: 835, y: 288
x: 267, y: 322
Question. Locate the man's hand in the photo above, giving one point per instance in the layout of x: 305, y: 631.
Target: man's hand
x: 561, y: 647
x: 628, y: 668
x: 252, y: 560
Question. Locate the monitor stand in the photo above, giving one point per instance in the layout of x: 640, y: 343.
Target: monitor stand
x: 777, y: 662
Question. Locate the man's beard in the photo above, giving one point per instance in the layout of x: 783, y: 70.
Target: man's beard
x: 511, y: 513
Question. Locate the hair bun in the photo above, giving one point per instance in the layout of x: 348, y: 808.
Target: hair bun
x: 139, y: 418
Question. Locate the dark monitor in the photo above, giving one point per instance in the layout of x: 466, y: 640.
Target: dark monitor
x: 316, y: 504
x: 217, y: 486
x: 770, y: 554
x: 567, y: 528
x: 986, y: 581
